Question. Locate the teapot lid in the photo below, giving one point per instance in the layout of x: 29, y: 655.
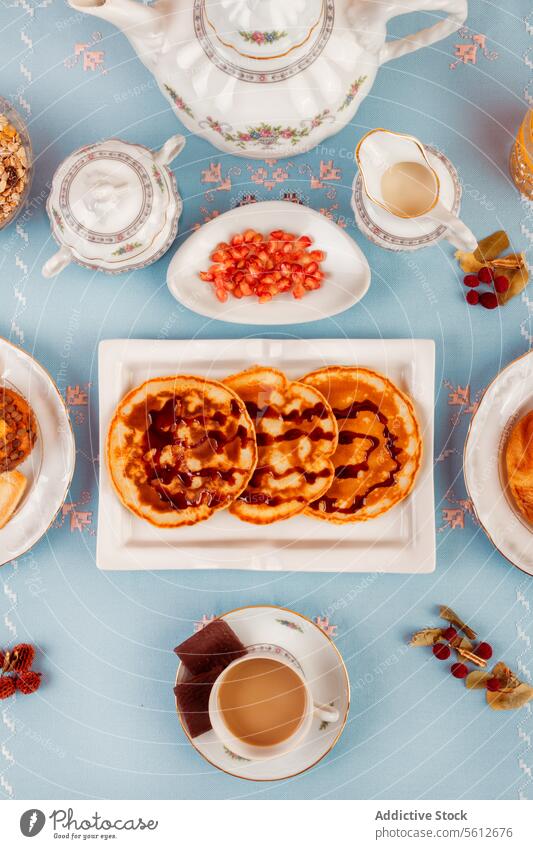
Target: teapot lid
x: 110, y: 201
x: 262, y: 29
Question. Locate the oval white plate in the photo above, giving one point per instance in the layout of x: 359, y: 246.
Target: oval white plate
x: 506, y: 400
x: 324, y: 669
x: 50, y: 466
x: 347, y: 271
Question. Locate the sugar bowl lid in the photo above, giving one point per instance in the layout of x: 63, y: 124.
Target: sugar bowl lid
x: 114, y: 206
x: 262, y: 29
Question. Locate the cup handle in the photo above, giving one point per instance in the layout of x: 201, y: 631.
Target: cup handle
x: 457, y: 12
x: 457, y: 233
x: 57, y: 262
x: 326, y: 713
x: 172, y: 148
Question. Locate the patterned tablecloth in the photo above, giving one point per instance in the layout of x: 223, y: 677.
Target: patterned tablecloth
x: 103, y: 723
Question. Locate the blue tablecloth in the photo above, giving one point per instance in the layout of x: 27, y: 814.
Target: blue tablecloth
x: 103, y: 723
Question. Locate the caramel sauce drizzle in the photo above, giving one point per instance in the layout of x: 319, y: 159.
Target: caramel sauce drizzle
x: 327, y: 504
x: 161, y: 428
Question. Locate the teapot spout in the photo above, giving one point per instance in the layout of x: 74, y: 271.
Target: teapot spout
x: 139, y: 22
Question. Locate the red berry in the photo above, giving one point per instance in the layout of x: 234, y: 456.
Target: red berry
x: 493, y: 685
x: 489, y: 300
x: 471, y: 280
x: 501, y: 284
x: 484, y: 651
x: 441, y: 651
x: 485, y: 275
x: 28, y: 682
x: 7, y: 687
x: 459, y: 670
x: 472, y: 298
x: 449, y: 634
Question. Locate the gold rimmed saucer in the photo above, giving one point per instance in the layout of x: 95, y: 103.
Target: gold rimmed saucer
x: 324, y: 670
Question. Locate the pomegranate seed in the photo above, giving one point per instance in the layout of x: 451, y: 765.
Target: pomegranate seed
x: 449, y: 634
x: 493, y: 685
x: 484, y: 651
x: 501, y: 284
x: 442, y: 651
x: 471, y: 280
x: 485, y: 275
x: 459, y: 670
x: 472, y: 298
x: 488, y: 300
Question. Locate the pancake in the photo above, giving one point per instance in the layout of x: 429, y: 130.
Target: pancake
x: 380, y: 447
x: 519, y: 463
x: 296, y: 435
x: 179, y: 449
x: 18, y: 429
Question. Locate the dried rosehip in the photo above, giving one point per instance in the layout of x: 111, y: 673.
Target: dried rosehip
x: 488, y: 300
x: 28, y: 682
x: 459, y: 670
x: 484, y: 651
x: 471, y: 280
x: 442, y: 651
x: 493, y: 685
x: 472, y: 298
x: 449, y: 634
x: 485, y: 275
x: 7, y: 687
x: 21, y: 657
x: 501, y: 284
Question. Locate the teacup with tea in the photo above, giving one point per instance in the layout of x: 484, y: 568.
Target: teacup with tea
x: 261, y: 705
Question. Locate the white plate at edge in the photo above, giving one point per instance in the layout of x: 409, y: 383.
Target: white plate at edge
x: 347, y: 271
x: 401, y: 540
x: 505, y: 401
x: 50, y: 466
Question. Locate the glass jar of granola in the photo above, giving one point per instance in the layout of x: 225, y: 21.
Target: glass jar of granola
x: 15, y: 163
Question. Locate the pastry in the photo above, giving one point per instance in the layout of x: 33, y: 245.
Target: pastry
x: 519, y: 462
x: 296, y: 435
x: 179, y: 449
x: 18, y: 429
x: 379, y: 449
x: 12, y: 488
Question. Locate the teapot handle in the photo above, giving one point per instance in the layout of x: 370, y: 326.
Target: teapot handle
x: 457, y: 12
x: 172, y: 148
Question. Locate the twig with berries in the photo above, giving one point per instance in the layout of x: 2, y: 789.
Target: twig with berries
x: 503, y: 688
x: 505, y: 276
x: 16, y: 672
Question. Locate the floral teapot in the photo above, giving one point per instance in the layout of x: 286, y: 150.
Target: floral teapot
x: 268, y: 77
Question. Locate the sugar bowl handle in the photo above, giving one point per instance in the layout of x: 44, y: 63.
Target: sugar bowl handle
x: 326, y: 713
x: 57, y: 262
x: 170, y: 150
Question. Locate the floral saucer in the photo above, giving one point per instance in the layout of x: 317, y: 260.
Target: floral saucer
x: 397, y: 234
x: 286, y: 633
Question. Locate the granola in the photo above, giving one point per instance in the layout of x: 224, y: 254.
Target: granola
x: 14, y: 169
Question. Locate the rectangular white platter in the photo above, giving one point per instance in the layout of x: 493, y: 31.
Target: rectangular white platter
x: 401, y: 540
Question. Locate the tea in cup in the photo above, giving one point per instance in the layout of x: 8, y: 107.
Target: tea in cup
x: 261, y: 706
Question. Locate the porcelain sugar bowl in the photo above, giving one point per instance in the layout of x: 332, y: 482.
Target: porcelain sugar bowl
x: 114, y: 206
x: 268, y: 77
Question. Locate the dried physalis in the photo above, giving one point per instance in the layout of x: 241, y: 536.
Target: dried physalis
x: 504, y: 689
x: 16, y: 673
x: 506, y: 276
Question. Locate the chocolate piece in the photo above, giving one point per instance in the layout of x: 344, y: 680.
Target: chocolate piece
x: 193, y: 700
x: 214, y: 645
